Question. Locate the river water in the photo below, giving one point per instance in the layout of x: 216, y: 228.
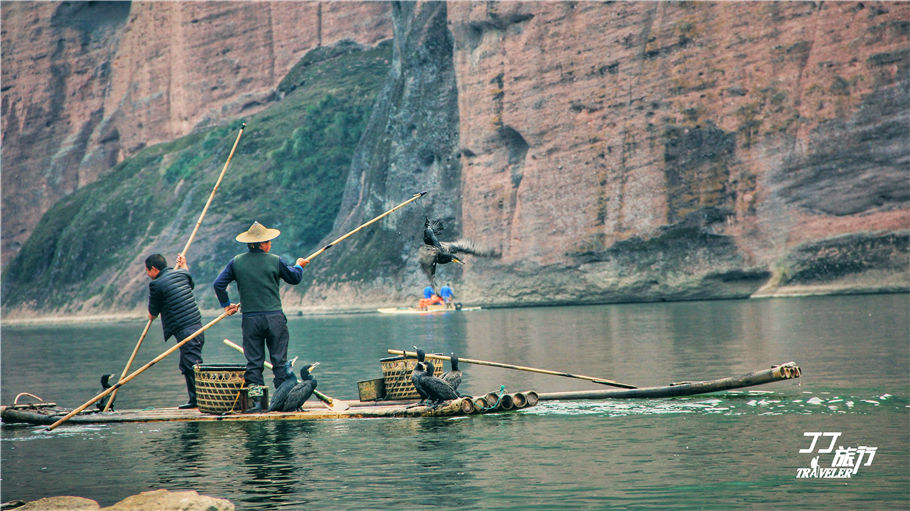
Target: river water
x: 731, y: 450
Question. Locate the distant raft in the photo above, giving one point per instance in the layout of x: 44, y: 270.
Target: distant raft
x: 430, y: 309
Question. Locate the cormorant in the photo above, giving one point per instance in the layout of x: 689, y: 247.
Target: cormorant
x: 106, y: 384
x: 434, y: 252
x: 415, y: 375
x: 302, y: 390
x: 422, y: 357
x: 437, y: 390
x: 453, y: 377
x: 281, y: 394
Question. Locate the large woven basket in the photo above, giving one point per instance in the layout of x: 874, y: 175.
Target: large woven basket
x: 219, y: 388
x: 396, y: 374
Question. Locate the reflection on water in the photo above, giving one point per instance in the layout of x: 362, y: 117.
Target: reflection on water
x: 273, y: 466
x: 736, y: 449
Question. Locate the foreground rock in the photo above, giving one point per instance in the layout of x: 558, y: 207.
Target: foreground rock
x: 156, y: 500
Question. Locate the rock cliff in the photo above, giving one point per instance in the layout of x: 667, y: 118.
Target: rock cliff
x: 603, y: 151
x: 679, y: 150
x: 88, y: 84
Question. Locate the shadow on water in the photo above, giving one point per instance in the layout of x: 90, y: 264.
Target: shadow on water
x: 276, y: 463
x: 180, y: 450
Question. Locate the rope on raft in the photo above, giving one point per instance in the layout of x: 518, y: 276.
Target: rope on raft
x: 502, y: 391
x: 16, y: 401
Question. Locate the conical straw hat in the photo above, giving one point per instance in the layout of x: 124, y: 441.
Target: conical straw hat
x: 257, y: 233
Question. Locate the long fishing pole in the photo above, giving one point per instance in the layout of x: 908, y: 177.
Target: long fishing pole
x: 215, y: 189
x: 602, y: 381
x: 332, y: 244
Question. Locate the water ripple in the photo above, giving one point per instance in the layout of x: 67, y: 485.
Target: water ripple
x: 731, y: 403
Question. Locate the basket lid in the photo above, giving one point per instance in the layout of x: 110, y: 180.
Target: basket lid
x: 221, y: 367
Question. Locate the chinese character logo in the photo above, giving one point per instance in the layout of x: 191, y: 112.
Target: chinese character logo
x: 846, y: 461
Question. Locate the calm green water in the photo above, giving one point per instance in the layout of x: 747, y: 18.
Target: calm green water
x: 734, y: 450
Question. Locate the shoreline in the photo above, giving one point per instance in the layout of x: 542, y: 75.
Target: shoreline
x: 118, y: 317
x: 781, y: 293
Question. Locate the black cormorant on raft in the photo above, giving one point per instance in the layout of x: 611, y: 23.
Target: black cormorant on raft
x: 302, y: 391
x: 281, y: 393
x: 454, y: 376
x: 106, y: 384
x: 437, y: 390
x: 419, y: 370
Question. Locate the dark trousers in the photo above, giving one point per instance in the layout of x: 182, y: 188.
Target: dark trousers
x: 190, y: 355
x: 191, y: 352
x: 260, y: 331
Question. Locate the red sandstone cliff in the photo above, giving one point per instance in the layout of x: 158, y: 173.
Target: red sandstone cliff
x: 604, y: 151
x: 87, y: 84
x: 584, y: 124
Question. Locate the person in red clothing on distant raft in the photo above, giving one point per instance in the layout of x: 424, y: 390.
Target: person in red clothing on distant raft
x: 257, y: 274
x: 429, y: 298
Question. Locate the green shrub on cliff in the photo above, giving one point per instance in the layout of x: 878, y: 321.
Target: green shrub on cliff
x: 288, y: 171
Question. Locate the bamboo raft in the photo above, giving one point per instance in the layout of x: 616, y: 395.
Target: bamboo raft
x: 431, y: 309
x: 46, y: 413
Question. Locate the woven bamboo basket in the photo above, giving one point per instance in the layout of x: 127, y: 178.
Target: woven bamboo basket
x: 219, y: 388
x: 396, y: 374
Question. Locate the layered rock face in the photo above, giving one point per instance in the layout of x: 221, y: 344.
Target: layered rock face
x: 87, y: 84
x: 679, y: 150
x: 603, y: 151
x: 410, y: 145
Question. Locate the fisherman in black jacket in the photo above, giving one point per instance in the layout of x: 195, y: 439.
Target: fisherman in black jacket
x: 171, y: 295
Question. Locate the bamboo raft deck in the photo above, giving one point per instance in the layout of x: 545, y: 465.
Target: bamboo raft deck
x: 48, y: 413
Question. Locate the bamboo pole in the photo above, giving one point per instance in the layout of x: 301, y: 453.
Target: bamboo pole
x: 330, y: 245
x: 331, y: 402
x: 212, y: 195
x: 137, y: 372
x: 129, y: 363
x: 519, y: 400
x: 602, y: 381
x: 776, y: 373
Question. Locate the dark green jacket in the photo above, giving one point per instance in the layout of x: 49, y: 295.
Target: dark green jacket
x: 257, y: 274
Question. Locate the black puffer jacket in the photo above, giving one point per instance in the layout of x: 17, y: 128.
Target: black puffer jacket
x: 171, y: 295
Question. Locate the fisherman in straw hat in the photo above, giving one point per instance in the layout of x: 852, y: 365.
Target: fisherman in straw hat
x: 264, y: 324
